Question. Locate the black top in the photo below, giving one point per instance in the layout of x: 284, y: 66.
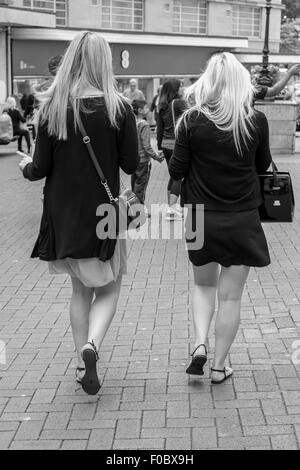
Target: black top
x: 214, y: 173
x: 260, y: 92
x: 73, y: 190
x: 16, y: 118
x: 165, y: 121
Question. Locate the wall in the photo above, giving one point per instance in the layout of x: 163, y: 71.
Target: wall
x: 157, y: 18
x: 84, y: 15
x: 282, y: 123
x: 3, y: 66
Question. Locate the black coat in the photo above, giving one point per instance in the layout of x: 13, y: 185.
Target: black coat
x: 213, y: 173
x: 73, y: 190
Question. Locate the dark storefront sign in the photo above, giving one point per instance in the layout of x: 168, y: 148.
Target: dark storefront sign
x: 30, y: 58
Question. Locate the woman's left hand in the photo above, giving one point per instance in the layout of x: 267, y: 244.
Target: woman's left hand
x: 24, y: 162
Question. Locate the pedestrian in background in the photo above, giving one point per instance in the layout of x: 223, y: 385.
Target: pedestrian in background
x: 132, y: 92
x: 171, y: 105
x: 19, y: 127
x: 261, y: 92
x: 53, y: 66
x: 222, y: 144
x: 154, y: 104
x: 83, y: 90
x: 141, y: 176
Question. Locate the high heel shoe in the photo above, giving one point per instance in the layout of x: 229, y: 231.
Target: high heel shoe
x: 198, y: 361
x: 90, y: 381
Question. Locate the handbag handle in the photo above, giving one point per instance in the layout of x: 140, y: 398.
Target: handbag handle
x: 87, y: 141
x: 275, y: 171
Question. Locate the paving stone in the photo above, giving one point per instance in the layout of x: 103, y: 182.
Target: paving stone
x: 36, y: 445
x: 29, y: 430
x: 154, y: 419
x: 284, y: 442
x: 101, y: 439
x: 5, y: 439
x: 133, y: 444
x: 251, y: 417
x: 128, y: 429
x: 147, y: 401
x: 58, y: 420
x: 204, y: 438
x: 44, y: 396
x: 243, y: 443
x: 69, y: 444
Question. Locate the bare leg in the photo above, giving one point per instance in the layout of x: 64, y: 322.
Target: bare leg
x: 204, y: 298
x: 81, y: 300
x: 103, y: 310
x: 230, y: 290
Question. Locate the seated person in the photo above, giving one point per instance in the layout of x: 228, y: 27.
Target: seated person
x: 17, y: 119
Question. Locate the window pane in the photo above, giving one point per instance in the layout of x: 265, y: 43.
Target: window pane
x: 123, y: 14
x: 246, y: 21
x: 190, y: 16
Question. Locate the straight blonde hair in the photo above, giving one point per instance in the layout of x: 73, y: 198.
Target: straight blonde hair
x: 224, y: 94
x: 86, y: 63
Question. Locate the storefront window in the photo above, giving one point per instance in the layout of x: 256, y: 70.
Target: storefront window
x: 123, y: 14
x: 246, y: 21
x: 59, y: 7
x: 190, y: 16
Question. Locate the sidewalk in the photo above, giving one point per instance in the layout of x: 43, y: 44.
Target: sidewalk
x: 147, y: 401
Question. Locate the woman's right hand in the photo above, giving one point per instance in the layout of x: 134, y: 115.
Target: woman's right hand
x: 25, y: 162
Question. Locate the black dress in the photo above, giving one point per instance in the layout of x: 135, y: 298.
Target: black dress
x: 226, y: 186
x: 73, y: 191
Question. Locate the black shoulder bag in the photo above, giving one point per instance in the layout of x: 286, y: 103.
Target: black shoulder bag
x: 131, y: 214
x: 278, y: 196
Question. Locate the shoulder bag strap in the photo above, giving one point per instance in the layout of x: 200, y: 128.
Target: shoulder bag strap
x: 87, y: 142
x: 173, y: 114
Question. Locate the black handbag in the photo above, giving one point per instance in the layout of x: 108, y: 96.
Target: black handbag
x: 278, y: 196
x: 129, y: 211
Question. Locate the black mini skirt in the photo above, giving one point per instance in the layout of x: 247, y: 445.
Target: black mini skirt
x: 232, y: 238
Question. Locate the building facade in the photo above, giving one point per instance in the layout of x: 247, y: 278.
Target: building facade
x: 150, y: 39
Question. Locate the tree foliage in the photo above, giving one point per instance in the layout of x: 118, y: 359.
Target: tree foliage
x: 290, y: 34
x: 292, y: 8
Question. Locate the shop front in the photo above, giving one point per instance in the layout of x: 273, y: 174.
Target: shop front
x: 148, y: 58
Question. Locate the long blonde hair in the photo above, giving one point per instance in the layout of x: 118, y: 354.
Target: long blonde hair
x: 224, y: 94
x: 86, y: 63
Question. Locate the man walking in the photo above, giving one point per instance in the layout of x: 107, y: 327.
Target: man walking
x: 133, y: 93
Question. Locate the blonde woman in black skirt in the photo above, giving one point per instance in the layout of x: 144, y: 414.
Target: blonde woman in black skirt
x: 222, y: 144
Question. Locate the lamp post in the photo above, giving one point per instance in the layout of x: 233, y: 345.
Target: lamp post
x: 265, y: 78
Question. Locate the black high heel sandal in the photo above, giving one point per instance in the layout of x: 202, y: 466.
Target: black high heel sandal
x: 196, y: 366
x: 227, y: 371
x: 90, y: 381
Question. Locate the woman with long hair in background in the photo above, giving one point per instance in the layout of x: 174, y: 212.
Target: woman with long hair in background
x: 171, y: 105
x: 83, y: 90
x: 222, y: 144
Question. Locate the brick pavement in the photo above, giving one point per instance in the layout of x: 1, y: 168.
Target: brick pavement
x: 147, y: 401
